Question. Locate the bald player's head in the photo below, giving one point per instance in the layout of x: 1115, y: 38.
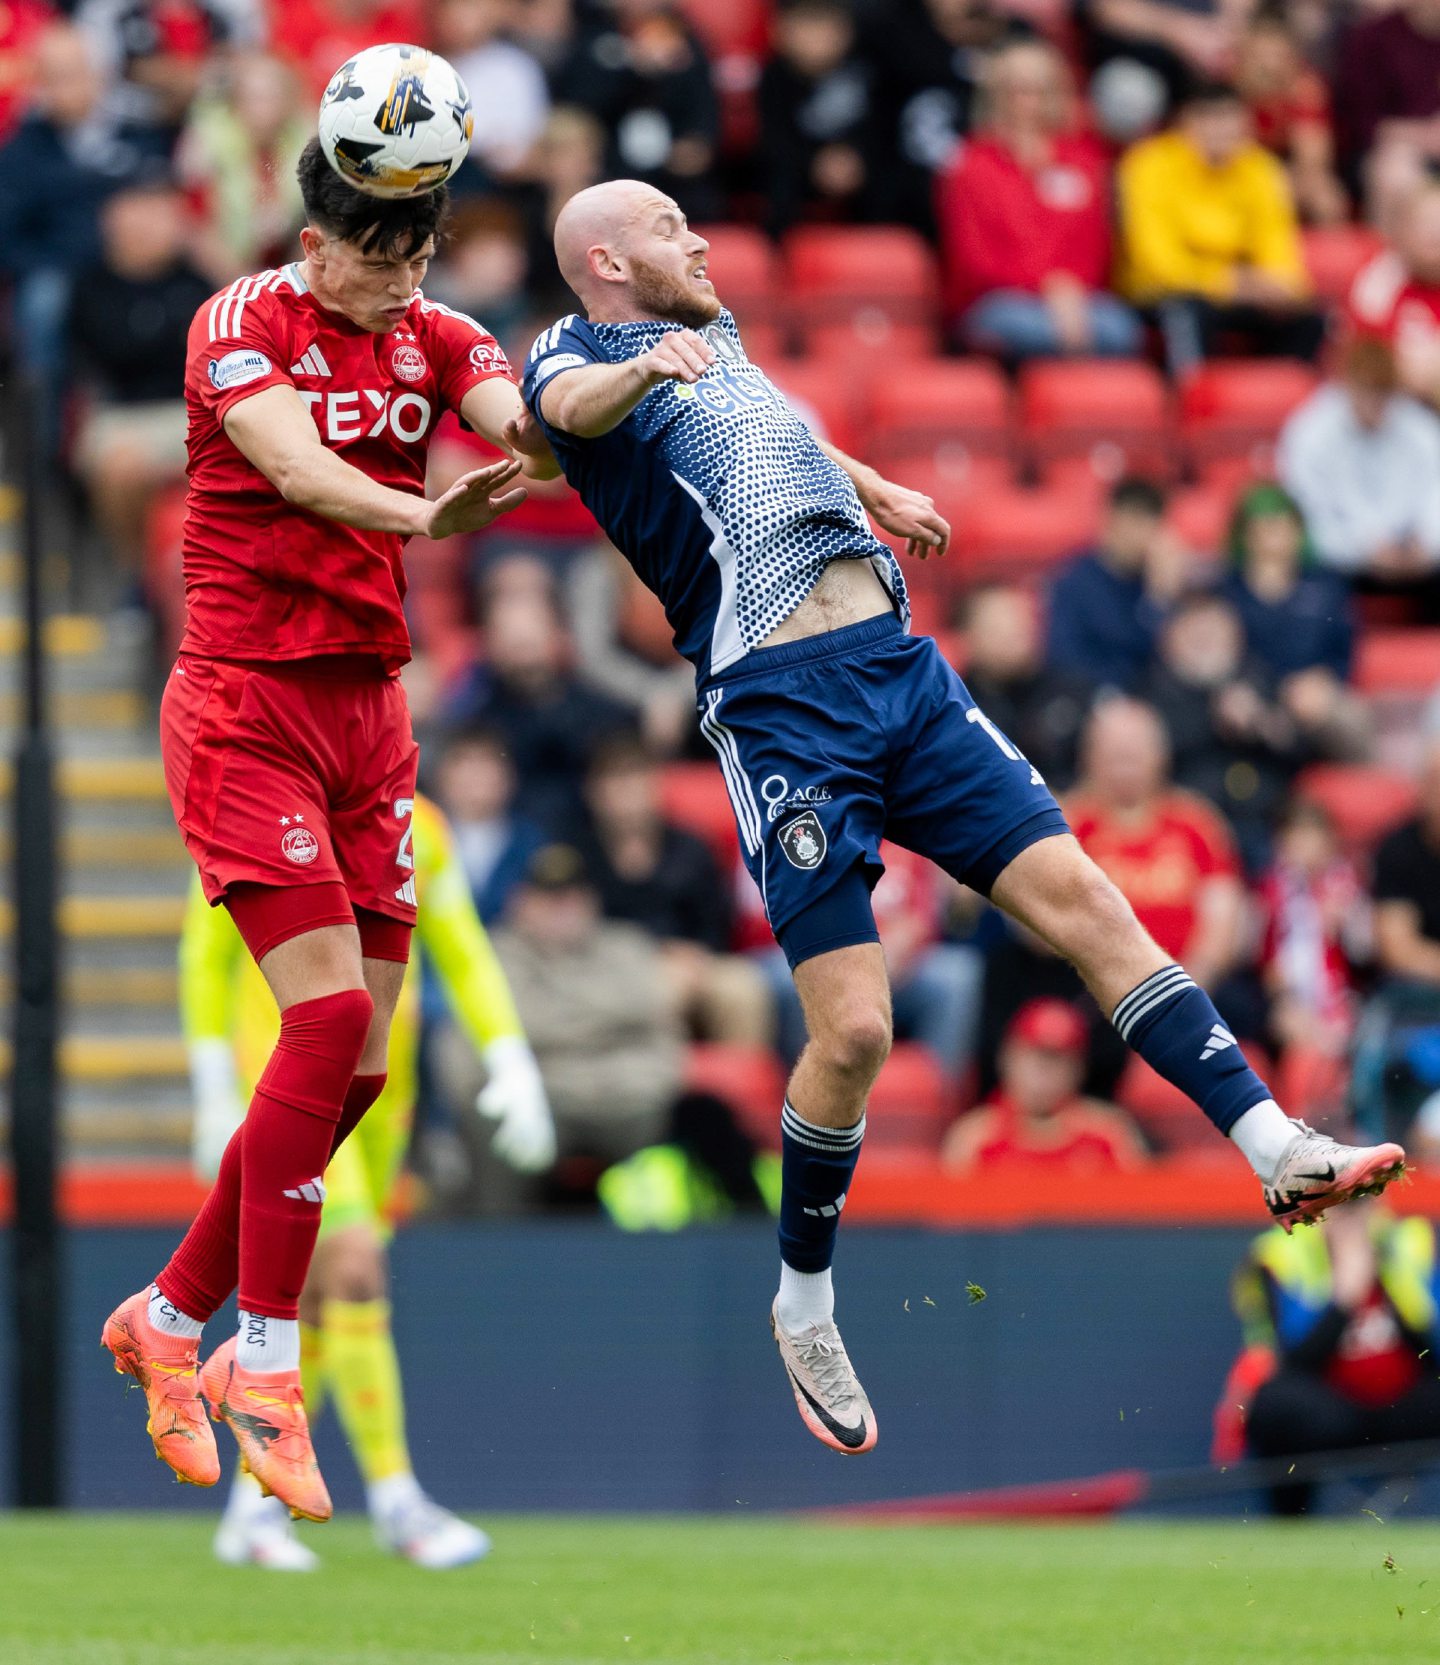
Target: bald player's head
x: 626, y: 251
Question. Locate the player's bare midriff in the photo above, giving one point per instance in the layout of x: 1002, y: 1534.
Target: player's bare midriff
x: 847, y: 592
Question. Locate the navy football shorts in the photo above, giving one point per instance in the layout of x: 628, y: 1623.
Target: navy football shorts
x: 831, y: 744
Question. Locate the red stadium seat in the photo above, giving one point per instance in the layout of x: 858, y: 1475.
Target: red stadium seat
x: 869, y: 329
x: 863, y: 289
x: 1364, y: 800
x: 767, y: 341
x: 910, y: 1105
x: 950, y: 472
x: 694, y: 796
x: 1114, y: 414
x: 940, y: 401
x: 1200, y: 517
x: 1021, y: 532
x: 1398, y: 662
x: 1334, y: 255
x: 751, y: 1079
x: 744, y: 268
x: 828, y: 391
x: 1233, y: 410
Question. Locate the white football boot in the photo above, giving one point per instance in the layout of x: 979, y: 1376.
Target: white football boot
x: 416, y: 1527
x: 256, y: 1531
x: 1317, y: 1172
x: 828, y: 1395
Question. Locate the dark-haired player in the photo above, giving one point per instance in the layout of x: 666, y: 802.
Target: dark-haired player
x: 313, y: 392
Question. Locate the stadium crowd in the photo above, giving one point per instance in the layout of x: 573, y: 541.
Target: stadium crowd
x: 1146, y: 294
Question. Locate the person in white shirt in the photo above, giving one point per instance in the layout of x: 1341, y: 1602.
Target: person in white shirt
x: 1363, y: 461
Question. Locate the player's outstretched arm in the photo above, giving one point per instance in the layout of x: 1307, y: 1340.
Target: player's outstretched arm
x: 495, y: 410
x: 594, y: 398
x: 903, y: 513
x: 275, y: 432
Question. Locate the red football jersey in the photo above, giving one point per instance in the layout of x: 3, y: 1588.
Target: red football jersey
x: 267, y: 580
x: 1386, y: 300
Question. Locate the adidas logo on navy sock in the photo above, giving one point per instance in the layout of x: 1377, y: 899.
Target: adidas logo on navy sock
x: 1220, y: 1037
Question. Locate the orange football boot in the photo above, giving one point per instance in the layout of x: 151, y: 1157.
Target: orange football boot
x: 165, y: 1366
x: 266, y: 1413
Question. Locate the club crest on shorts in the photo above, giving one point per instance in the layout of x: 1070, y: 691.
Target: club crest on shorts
x: 803, y: 841
x: 300, y: 845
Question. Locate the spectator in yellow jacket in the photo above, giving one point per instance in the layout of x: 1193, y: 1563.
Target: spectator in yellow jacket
x: 1209, y: 236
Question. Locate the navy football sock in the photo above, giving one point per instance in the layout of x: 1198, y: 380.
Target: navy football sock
x: 816, y: 1167
x: 1173, y: 1025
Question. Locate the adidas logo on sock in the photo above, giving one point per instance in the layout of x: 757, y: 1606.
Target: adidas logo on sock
x: 1220, y: 1038
x: 311, y: 363
x: 828, y: 1211
x: 313, y: 1190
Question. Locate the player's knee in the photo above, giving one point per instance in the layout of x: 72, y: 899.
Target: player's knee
x: 856, y: 1042
x: 335, y: 1025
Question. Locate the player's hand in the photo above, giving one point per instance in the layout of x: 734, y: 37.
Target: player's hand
x: 680, y: 356
x: 910, y: 515
x: 525, y: 438
x: 514, y: 1099
x: 475, y: 500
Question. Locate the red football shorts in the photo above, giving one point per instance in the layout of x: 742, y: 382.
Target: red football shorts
x: 280, y: 774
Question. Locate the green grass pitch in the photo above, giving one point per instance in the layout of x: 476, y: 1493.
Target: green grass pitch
x: 112, y: 1590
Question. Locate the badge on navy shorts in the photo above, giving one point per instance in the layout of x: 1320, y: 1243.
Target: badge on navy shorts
x: 803, y: 841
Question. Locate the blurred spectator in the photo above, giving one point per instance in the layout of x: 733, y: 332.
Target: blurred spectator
x: 624, y: 646
x: 317, y: 36
x: 475, y: 782
x: 1039, y: 707
x: 1298, y: 622
x: 1210, y: 236
x: 1387, y: 94
x: 1290, y: 106
x: 480, y: 270
x: 1167, y: 850
x: 1106, y: 605
x: 657, y: 875
x: 1316, y: 928
x: 568, y: 156
x: 929, y: 57
x: 22, y: 22
x: 1396, y: 295
x: 1162, y: 47
x: 1363, y: 462
x: 936, y: 986
x: 817, y: 119
x: 642, y: 71
x: 597, y: 1009
x: 58, y: 167
x: 551, y: 721
x: 1024, y: 214
x: 1231, y: 739
x: 155, y: 55
x: 237, y: 159
x: 1348, y: 1313
x: 128, y: 322
x: 1037, y: 1117
x: 1397, y: 1045
x: 506, y: 85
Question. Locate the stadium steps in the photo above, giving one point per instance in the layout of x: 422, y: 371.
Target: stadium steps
x: 124, y: 876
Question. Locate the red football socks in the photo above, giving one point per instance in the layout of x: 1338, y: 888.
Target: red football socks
x: 268, y: 1194
x: 359, y: 1096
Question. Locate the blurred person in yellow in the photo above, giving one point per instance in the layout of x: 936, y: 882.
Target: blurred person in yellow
x: 347, y: 1350
x: 1210, y: 238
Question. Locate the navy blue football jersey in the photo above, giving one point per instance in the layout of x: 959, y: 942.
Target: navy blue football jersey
x: 717, y: 494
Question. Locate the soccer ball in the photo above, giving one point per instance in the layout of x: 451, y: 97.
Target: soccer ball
x: 395, y: 121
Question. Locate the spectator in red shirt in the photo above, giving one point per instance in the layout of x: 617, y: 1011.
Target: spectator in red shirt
x: 1290, y: 107
x: 1036, y: 1117
x: 1396, y: 295
x: 1024, y: 216
x: 1387, y: 100
x: 1316, y: 928
x: 1169, y: 852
